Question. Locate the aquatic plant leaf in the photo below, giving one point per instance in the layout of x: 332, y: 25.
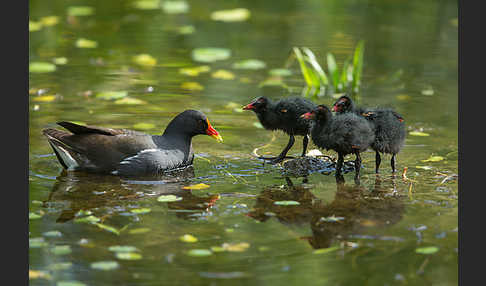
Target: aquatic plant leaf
x: 358, y: 65
x: 88, y: 219
x: 223, y: 74
x: 317, y: 73
x: 35, y: 274
x: 37, y: 242
x: 188, y: 238
x: 79, y: 11
x: 145, y: 60
x: 192, y: 86
x: 139, y: 230
x: 34, y: 26
x: 128, y: 255
x: 186, y: 30
x: 105, y: 265
x: 110, y: 95
x: 403, y: 97
x: 60, y: 61
x: 140, y: 211
x: 333, y: 69
x: 236, y: 247
x: 433, y: 159
x: 229, y: 230
x: 424, y: 167
x: 59, y: 266
x: 122, y: 248
x: 169, y: 198
x: 194, y: 71
x: 306, y: 71
x: 61, y: 250
x: 258, y: 125
x: 49, y: 20
x: 108, y: 228
x: 224, y: 275
x: 286, y: 203
x: 44, y: 98
x: 273, y: 81
x: 34, y: 216
x: 175, y: 7
x: 86, y: 44
x: 147, y: 4
x: 233, y: 15
x: 200, y: 186
x: 41, y: 67
x: 250, y: 64
x: 325, y: 250
x: 428, y: 91
x: 130, y: 101
x: 332, y: 218
x: 280, y: 72
x: 418, y: 133
x: 143, y: 126
x: 217, y: 249
x: 208, y: 55
x: 52, y: 233
x: 427, y: 250
x: 199, y: 252
x: 70, y: 283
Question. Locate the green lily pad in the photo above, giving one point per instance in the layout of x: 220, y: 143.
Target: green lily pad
x: 80, y: 11
x: 108, y: 228
x: 418, y: 133
x: 168, y: 198
x: 199, y: 252
x: 145, y: 60
x: 60, y: 266
x: 147, y: 4
x: 61, y: 250
x: 128, y: 256
x: 433, y: 159
x: 325, y: 250
x: 53, y: 233
x: 88, y: 219
x: 233, y: 15
x: 175, y: 7
x: 250, y: 64
x: 280, y: 72
x: 130, y: 101
x: 86, y: 44
x: 427, y: 250
x: 139, y: 230
x: 286, y: 203
x: 188, y: 238
x: 194, y: 71
x: 37, y: 242
x: 144, y: 126
x: 258, y: 125
x: 34, y: 216
x: 41, y: 67
x: 60, y: 61
x: 49, y: 20
x: 34, y: 26
x: 208, y: 55
x: 186, y: 30
x: 140, y: 211
x: 70, y: 283
x: 122, y: 248
x: 223, y: 74
x: 110, y: 95
x: 105, y: 265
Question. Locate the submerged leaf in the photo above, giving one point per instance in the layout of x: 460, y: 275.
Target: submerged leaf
x: 427, y: 250
x: 286, y: 203
x: 105, y: 265
x: 188, y: 238
x: 200, y: 186
x: 208, y: 55
x: 233, y: 15
x: 86, y: 44
x: 199, y: 252
x: 41, y: 67
x: 251, y: 64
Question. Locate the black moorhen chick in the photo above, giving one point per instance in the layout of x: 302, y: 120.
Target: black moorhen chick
x: 345, y: 134
x: 389, y: 128
x: 284, y: 115
x: 126, y: 152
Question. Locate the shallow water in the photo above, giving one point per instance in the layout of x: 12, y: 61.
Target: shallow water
x: 337, y: 235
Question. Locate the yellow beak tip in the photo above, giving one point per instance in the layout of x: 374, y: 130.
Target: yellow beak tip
x: 218, y: 138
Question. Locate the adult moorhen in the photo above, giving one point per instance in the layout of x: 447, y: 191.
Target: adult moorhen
x: 345, y: 134
x: 389, y: 128
x: 129, y: 153
x: 284, y: 115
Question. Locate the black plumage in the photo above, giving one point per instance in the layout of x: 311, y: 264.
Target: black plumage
x: 283, y: 115
x: 345, y: 134
x: 389, y: 127
x: 129, y: 153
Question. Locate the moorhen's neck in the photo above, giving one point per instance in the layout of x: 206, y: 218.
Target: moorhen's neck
x: 177, y: 129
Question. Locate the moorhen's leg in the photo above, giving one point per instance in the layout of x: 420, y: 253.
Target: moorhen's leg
x: 305, y: 142
x: 377, y: 162
x: 393, y: 163
x: 357, y: 167
x: 283, y: 154
x: 339, y: 164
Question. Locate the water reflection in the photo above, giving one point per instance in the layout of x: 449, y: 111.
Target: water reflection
x: 76, y: 191
x: 353, y: 210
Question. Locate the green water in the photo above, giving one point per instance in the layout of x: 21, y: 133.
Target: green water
x: 366, y: 235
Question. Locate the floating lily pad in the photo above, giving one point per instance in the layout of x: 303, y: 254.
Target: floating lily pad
x: 140, y: 211
x: 428, y: 91
x: 145, y: 60
x: 41, y: 67
x: 258, y: 125
x: 192, y: 86
x: 60, y: 266
x: 286, y: 203
x: 34, y: 26
x: 86, y: 44
x: 61, y: 250
x: 79, y: 11
x: 110, y: 95
x: 175, y: 7
x: 223, y: 74
x: 37, y: 242
x: 168, y: 198
x: 49, y: 20
x: 186, y: 30
x: 236, y: 247
x: 280, y: 72
x: 199, y: 252
x: 200, y: 186
x: 105, y: 265
x: 418, y: 133
x: 44, y: 98
x: 88, y: 219
x: 403, y: 97
x: 273, y: 81
x: 60, y: 61
x: 188, y: 238
x: 139, y: 230
x: 251, y: 64
x: 34, y: 216
x: 331, y: 218
x: 123, y: 248
x: 208, y: 55
x: 35, y: 274
x: 70, y: 283
x: 427, y: 250
x: 108, y: 228
x: 53, y: 233
x: 424, y: 167
x: 128, y: 255
x: 194, y: 71
x: 325, y: 250
x: 217, y: 249
x: 433, y: 159
x: 233, y: 15
x: 144, y: 126
x: 130, y: 101
x: 147, y: 4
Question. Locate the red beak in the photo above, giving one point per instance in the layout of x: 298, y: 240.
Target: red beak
x: 248, y: 107
x: 308, y: 115
x: 335, y: 108
x: 213, y: 133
